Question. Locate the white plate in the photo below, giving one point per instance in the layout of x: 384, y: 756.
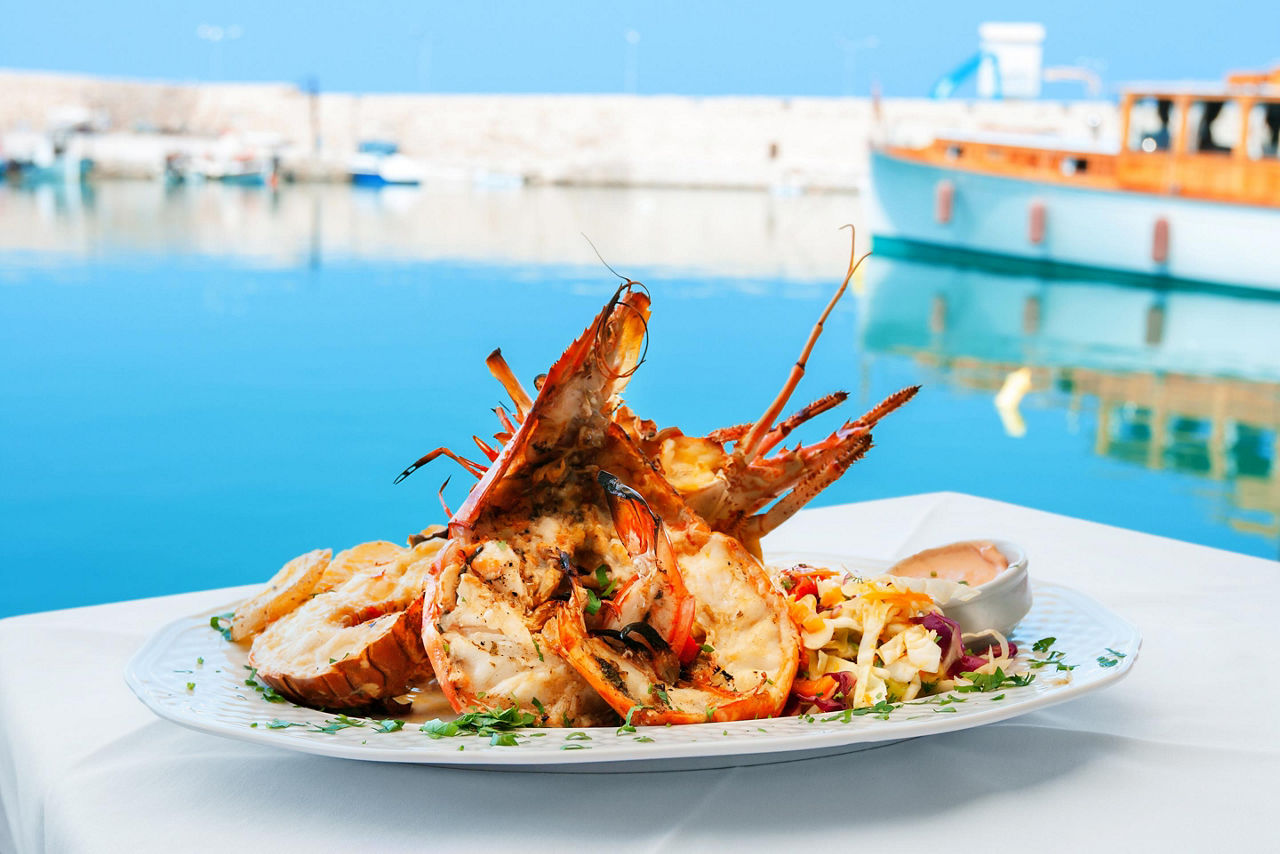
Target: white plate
x: 221, y: 703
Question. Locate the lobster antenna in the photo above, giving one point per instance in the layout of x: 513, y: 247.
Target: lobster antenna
x: 749, y: 444
x: 601, y: 257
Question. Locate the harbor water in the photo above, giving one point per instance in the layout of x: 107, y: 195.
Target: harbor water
x: 201, y: 382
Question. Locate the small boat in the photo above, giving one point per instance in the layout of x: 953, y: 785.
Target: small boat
x: 39, y: 158
x: 243, y: 169
x: 378, y: 163
x: 1191, y: 194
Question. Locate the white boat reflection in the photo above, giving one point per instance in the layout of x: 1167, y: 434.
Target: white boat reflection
x: 1187, y: 381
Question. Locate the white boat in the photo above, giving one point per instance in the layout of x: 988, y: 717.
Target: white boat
x: 1193, y: 194
x: 379, y: 164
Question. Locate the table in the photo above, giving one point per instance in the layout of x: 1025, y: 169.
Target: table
x: 1182, y: 753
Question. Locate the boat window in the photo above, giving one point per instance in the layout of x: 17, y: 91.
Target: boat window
x: 1263, y: 140
x: 1074, y: 165
x: 1153, y: 122
x: 1213, y: 127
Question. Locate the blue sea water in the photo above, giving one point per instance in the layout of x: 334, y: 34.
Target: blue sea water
x: 178, y: 412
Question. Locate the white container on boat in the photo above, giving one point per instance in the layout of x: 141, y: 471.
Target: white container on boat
x: 1017, y: 51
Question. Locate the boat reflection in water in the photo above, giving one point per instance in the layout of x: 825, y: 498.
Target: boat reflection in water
x: 1181, y: 381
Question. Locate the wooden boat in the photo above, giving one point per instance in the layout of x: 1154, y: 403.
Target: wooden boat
x: 1191, y: 193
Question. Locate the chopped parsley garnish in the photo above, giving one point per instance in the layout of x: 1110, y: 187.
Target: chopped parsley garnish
x: 574, y: 747
x: 707, y: 648
x: 279, y: 724
x: 503, y: 739
x: 644, y: 738
x: 221, y: 623
x: 268, y: 693
x: 191, y: 686
x: 542, y: 710
x: 389, y: 725
x: 339, y: 722
x: 200, y: 661
x: 593, y: 602
x: 536, y: 646
x: 607, y: 585
x: 1108, y: 662
x: 440, y: 729
x: 660, y: 692
x: 1115, y: 654
x: 880, y: 710
x: 985, y: 682
x: 577, y: 736
x: 627, y: 726
x: 1043, y: 644
x: 481, y: 723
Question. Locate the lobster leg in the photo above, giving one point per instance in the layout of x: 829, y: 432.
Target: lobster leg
x: 831, y: 465
x: 784, y: 428
x: 884, y: 407
x: 470, y: 465
x: 729, y: 434
x: 502, y: 373
x: 485, y: 449
x: 501, y: 412
x: 447, y: 512
x: 777, y: 434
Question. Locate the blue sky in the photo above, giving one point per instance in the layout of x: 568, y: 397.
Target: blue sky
x: 701, y: 48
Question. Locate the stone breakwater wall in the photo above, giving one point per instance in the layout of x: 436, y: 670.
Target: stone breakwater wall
x: 609, y: 140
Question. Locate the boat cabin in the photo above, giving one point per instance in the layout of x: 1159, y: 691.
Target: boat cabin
x: 1218, y: 143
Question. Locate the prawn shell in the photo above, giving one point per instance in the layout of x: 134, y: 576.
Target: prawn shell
x: 616, y: 675
x: 389, y: 662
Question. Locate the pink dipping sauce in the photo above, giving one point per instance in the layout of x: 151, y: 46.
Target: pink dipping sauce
x: 974, y: 562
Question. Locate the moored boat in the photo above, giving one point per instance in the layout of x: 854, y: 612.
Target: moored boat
x: 380, y: 164
x: 1195, y: 182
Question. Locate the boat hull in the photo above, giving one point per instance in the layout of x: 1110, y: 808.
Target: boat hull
x: 375, y: 179
x: 991, y: 219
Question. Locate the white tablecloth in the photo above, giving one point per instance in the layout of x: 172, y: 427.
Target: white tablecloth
x: 1182, y: 753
